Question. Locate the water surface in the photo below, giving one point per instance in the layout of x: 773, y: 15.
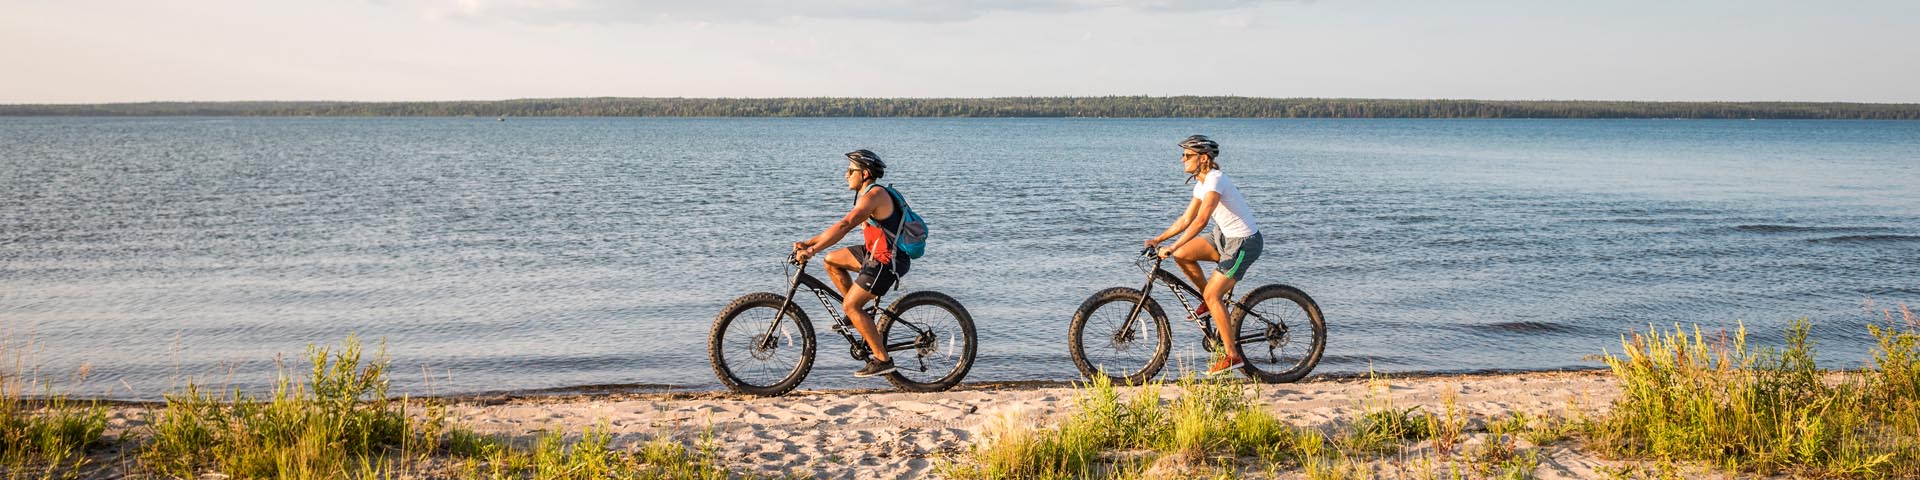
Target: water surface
x: 540, y: 253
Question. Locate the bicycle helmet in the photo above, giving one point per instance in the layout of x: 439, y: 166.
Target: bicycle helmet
x: 1202, y: 144
x: 866, y: 159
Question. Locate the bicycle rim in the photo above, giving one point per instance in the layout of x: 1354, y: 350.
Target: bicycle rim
x: 1101, y: 347
x: 1281, y: 335
x: 750, y: 362
x: 942, y: 337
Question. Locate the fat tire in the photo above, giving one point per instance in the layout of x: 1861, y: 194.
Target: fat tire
x: 1313, y: 320
x: 939, y: 300
x: 1076, y: 347
x: 717, y: 356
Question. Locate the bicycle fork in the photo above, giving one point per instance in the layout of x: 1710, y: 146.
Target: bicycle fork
x: 793, y: 286
x: 1125, y: 334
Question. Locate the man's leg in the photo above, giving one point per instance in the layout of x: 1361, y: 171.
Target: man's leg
x: 1189, y: 257
x: 838, y: 263
x: 854, y: 307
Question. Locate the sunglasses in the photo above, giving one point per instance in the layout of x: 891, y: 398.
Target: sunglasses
x: 851, y: 171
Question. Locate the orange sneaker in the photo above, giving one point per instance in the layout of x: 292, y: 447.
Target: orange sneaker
x: 1200, y: 312
x: 1226, y: 364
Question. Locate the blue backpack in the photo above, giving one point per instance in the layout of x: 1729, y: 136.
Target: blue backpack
x: 911, y: 239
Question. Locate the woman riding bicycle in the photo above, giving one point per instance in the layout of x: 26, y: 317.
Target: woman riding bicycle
x: 1234, y: 243
x: 874, y: 259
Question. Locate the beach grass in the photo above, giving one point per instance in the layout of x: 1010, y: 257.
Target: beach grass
x: 1689, y: 402
x: 1205, y: 430
x: 335, y: 421
x: 338, y: 422
x: 589, y: 454
x: 48, y: 434
x: 47, y: 437
x: 1714, y: 399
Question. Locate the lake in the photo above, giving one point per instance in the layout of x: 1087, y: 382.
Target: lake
x: 543, y: 253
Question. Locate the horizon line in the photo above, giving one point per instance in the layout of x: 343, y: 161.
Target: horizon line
x: 523, y: 99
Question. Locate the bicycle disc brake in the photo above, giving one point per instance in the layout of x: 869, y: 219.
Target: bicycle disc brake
x: 1276, y: 340
x: 1123, y: 339
x: 763, y: 353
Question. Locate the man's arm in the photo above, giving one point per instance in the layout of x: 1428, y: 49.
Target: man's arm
x: 862, y: 210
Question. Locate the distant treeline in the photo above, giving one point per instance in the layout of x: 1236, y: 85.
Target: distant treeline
x: 1133, y: 107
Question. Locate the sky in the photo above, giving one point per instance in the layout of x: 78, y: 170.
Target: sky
x: 89, y: 51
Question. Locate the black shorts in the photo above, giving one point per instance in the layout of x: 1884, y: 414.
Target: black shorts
x: 878, y: 277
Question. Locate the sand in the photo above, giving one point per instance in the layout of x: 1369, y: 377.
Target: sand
x: 884, y: 434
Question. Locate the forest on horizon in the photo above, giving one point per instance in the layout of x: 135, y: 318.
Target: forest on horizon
x: 1082, y: 107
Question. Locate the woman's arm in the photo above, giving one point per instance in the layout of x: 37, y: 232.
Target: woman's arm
x: 1202, y: 208
x: 1179, y: 224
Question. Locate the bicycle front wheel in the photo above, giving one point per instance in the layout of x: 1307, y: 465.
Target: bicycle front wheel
x: 931, y: 341
x: 751, y: 355
x: 1102, y: 342
x: 1281, y: 333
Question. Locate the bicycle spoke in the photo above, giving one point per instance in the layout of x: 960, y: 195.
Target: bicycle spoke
x: 1118, y: 352
x: 757, y: 365
x: 1269, y: 335
x: 932, y: 335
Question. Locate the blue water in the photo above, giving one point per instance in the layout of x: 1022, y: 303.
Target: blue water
x: 542, y: 253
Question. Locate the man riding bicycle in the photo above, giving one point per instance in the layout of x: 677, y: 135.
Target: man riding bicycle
x: 1234, y: 244
x: 875, y: 259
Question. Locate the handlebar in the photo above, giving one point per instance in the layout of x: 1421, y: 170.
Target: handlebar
x: 1148, y: 259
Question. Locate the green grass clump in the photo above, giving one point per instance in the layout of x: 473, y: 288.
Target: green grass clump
x: 1536, y: 429
x: 557, y: 455
x: 1398, y: 424
x: 44, y: 437
x: 334, y: 422
x: 1213, y: 422
x: 1014, y: 448
x: 49, y: 435
x: 1688, y: 397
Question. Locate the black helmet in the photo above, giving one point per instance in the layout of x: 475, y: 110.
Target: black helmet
x: 866, y: 159
x: 1202, y: 144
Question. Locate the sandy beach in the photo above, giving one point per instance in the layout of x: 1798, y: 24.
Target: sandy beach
x: 884, y: 434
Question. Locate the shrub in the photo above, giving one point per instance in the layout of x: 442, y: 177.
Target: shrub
x: 1684, y: 396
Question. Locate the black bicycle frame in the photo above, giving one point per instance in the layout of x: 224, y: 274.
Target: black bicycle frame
x: 1178, y: 286
x: 830, y: 300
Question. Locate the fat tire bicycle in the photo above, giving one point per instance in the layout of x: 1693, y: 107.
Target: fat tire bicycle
x: 762, y: 343
x: 1122, y: 324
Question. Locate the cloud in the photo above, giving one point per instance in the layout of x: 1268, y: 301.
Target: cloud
x: 746, y: 11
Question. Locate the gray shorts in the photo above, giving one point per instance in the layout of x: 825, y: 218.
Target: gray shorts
x: 1236, y: 254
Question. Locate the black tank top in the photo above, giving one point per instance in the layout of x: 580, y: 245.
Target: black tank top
x: 892, y: 223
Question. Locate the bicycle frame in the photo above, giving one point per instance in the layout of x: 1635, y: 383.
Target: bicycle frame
x: 831, y: 300
x: 1181, y: 291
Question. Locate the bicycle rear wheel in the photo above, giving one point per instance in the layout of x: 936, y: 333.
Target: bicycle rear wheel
x: 931, y: 341
x: 1099, y: 346
x: 746, y: 360
x: 1281, y: 333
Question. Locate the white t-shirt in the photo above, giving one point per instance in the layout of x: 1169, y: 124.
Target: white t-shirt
x: 1232, y: 217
